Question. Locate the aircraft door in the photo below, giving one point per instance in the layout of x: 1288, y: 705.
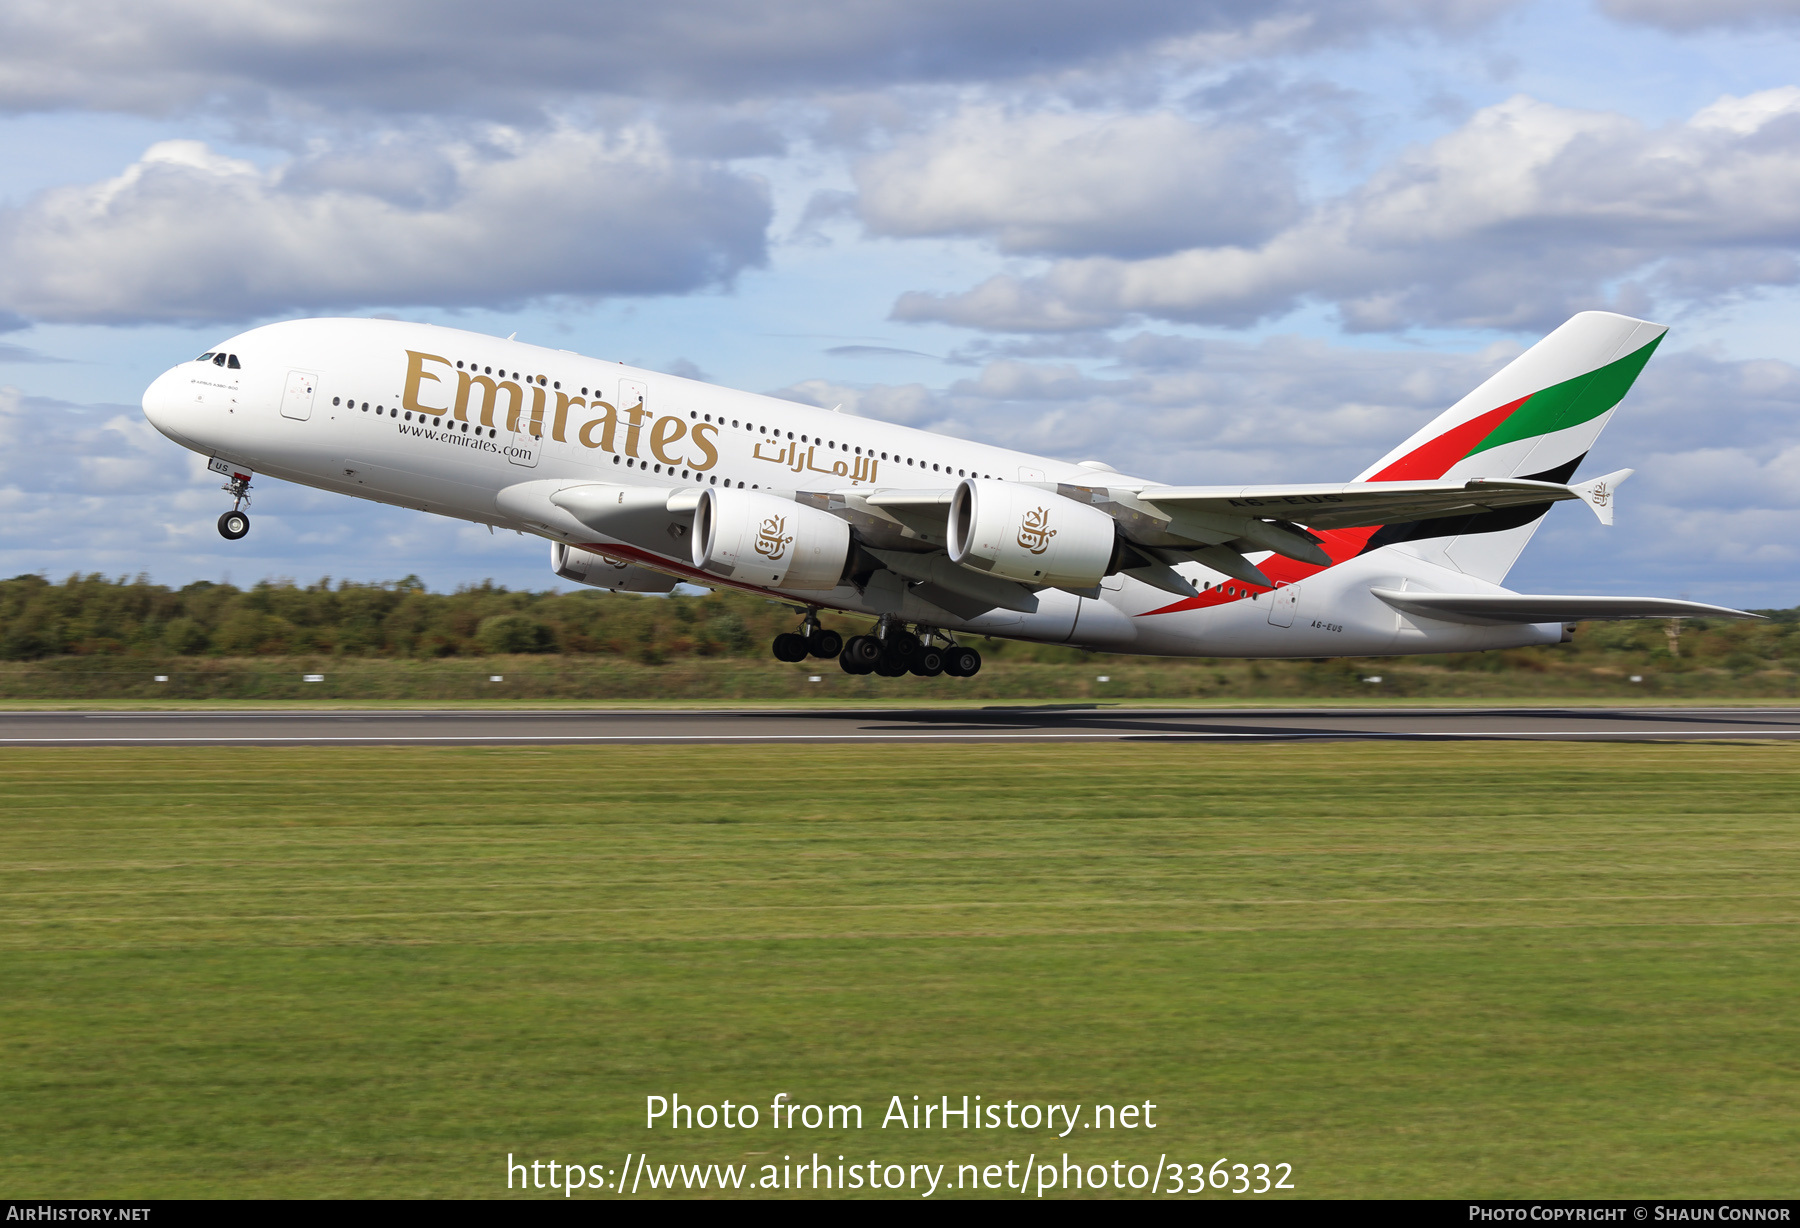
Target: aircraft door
x: 297, y: 401
x: 1283, y: 602
x: 634, y: 403
x: 525, y: 448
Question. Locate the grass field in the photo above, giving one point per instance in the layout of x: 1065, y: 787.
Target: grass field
x: 1452, y: 970
x: 1549, y: 675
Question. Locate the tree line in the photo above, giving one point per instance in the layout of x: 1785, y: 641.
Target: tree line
x: 91, y: 614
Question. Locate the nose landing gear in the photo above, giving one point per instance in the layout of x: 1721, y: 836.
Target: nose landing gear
x: 235, y: 523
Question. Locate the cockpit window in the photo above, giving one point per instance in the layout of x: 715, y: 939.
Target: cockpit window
x: 206, y: 357
x: 218, y: 360
x: 232, y: 362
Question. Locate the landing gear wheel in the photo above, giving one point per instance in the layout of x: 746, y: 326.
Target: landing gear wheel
x: 861, y: 655
x: 790, y: 647
x: 233, y: 525
x: 825, y: 643
x: 864, y: 650
x: 901, y: 644
x: 891, y: 668
x: 962, y: 662
x: 929, y: 663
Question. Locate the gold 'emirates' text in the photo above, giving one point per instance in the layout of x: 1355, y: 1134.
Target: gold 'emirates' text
x: 602, y: 432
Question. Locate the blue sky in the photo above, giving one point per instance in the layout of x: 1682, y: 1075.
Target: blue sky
x: 1204, y: 242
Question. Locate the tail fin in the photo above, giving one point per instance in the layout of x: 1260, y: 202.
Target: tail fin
x: 1536, y: 418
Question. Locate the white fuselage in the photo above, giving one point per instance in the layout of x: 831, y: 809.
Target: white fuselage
x: 370, y: 408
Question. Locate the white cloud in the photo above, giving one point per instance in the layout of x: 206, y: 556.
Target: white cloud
x: 471, y: 56
x: 1524, y: 215
x: 1132, y: 185
x: 1681, y: 16
x: 187, y: 234
x: 1181, y: 409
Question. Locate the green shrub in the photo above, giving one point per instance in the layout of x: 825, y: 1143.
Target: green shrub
x: 509, y: 633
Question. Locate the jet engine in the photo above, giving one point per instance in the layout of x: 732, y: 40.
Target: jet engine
x: 598, y: 571
x: 756, y: 538
x: 1029, y: 535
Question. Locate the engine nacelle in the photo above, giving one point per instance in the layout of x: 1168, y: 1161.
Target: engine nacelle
x: 1029, y: 535
x: 755, y: 538
x: 598, y: 571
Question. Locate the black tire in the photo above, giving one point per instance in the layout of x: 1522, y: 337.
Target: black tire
x: 901, y: 644
x: 233, y: 525
x: 863, y: 651
x: 850, y: 666
x: 929, y: 663
x: 825, y: 643
x: 890, y: 668
x: 962, y: 662
x: 790, y: 647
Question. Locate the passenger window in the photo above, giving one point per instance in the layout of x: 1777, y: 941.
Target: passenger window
x: 232, y: 362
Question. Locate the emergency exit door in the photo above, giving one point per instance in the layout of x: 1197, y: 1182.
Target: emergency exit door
x: 1283, y: 602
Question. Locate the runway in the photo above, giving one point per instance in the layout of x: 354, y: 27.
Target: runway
x: 1046, y: 723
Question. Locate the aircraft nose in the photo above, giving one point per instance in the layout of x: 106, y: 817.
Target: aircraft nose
x: 164, y: 408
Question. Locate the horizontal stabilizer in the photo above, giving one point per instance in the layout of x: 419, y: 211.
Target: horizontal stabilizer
x: 1501, y: 609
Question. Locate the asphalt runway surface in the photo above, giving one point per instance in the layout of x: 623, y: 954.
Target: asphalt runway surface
x: 1045, y: 723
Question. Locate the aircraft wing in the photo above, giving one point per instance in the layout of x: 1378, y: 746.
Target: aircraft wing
x: 1347, y: 505
x: 925, y: 512
x: 1499, y: 609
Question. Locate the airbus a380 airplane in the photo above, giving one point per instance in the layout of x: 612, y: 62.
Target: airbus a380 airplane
x: 641, y: 480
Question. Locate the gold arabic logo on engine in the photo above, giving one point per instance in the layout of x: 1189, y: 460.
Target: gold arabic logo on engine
x: 1035, y: 531
x: 769, y: 540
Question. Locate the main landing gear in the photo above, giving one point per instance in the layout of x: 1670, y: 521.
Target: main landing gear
x: 811, y: 640
x: 893, y: 651
x: 235, y: 523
